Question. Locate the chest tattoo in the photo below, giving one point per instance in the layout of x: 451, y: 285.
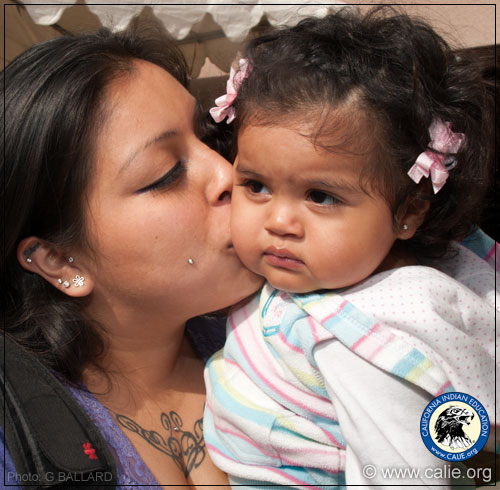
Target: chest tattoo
x: 187, y: 449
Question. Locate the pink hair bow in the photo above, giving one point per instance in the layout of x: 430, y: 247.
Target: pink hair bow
x: 439, y: 156
x: 223, y: 104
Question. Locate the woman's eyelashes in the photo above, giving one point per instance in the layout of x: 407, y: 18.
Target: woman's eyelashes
x: 167, y: 180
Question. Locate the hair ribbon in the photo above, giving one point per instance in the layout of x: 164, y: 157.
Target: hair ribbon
x: 440, y: 155
x: 224, y: 104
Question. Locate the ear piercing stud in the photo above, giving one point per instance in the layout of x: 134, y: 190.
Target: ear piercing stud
x: 27, y: 253
x: 78, y: 281
x: 405, y: 227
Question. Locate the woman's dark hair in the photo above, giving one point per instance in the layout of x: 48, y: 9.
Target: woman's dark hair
x: 387, y: 76
x: 52, y: 111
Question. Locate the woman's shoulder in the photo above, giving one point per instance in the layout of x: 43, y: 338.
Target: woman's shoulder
x: 207, y: 334
x: 11, y: 477
x: 45, y: 429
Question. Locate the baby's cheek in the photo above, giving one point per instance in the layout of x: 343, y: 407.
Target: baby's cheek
x: 245, y: 232
x: 246, y: 251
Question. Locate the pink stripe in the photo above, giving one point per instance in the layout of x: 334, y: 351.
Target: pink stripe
x: 314, y: 329
x: 364, y: 337
x: 379, y: 348
x: 263, y: 358
x: 332, y: 439
x: 284, y: 460
x: 441, y: 390
x: 289, y: 345
x: 234, y: 363
x: 246, y: 439
x: 492, y: 251
x: 274, y: 470
x: 334, y: 313
x: 299, y: 451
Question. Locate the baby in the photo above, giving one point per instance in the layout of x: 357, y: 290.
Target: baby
x: 362, y: 160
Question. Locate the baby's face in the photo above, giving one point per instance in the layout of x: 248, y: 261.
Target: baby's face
x: 299, y: 215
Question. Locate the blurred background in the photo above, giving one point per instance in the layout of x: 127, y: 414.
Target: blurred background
x: 210, y: 34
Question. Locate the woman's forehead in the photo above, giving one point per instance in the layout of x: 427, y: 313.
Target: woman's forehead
x: 141, y: 110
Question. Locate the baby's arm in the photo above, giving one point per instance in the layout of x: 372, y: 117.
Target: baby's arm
x: 379, y: 415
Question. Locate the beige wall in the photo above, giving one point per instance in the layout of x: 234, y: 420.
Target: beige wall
x: 462, y: 23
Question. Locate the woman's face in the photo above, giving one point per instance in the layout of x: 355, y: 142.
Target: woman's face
x: 158, y: 197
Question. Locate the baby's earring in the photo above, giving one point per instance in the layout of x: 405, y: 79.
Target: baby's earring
x: 405, y: 227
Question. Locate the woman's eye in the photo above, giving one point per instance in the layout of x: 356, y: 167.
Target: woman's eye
x: 255, y: 187
x: 320, y: 197
x: 167, y: 180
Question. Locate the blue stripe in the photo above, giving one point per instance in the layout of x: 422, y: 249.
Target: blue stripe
x: 408, y: 363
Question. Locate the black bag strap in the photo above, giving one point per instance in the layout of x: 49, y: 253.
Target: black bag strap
x: 52, y: 441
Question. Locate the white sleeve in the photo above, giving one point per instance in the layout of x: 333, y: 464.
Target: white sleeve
x: 379, y: 416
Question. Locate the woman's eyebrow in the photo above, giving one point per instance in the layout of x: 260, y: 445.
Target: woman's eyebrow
x: 166, y: 135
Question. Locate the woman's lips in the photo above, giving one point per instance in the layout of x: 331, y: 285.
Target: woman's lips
x: 281, y: 257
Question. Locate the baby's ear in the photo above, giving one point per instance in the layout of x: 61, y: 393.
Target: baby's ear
x: 410, y: 216
x: 57, y: 268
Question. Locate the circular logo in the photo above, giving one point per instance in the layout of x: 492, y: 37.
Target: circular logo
x: 454, y: 426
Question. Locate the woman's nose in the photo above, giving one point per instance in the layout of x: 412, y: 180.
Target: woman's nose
x: 220, y: 179
x: 283, y: 221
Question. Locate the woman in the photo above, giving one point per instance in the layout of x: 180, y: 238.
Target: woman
x: 117, y: 233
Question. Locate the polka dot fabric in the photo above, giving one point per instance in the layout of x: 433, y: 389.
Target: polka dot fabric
x: 447, y: 311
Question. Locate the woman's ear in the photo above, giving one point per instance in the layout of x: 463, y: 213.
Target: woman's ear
x: 57, y: 268
x: 410, y: 216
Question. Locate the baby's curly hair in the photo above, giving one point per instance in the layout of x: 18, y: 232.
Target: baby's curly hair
x: 387, y: 76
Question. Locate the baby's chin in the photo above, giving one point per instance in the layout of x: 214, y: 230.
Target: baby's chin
x: 285, y: 281
x: 293, y: 287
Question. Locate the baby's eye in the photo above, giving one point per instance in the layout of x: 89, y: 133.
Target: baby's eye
x: 255, y: 187
x: 320, y: 197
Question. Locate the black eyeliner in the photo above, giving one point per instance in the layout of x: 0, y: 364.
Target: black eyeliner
x: 166, y: 180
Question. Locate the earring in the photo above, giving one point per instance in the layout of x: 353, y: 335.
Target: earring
x: 27, y: 253
x: 190, y: 261
x: 70, y: 260
x: 78, y: 281
x: 405, y: 227
x: 65, y: 283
